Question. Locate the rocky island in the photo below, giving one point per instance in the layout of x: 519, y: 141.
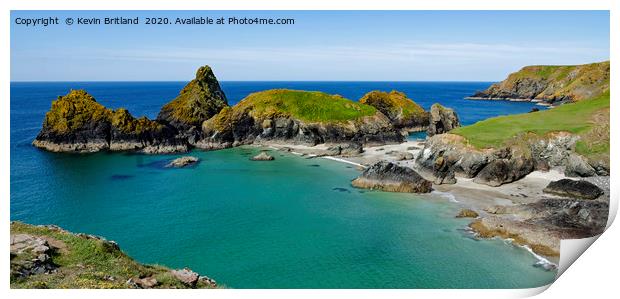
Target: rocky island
x: 199, y: 117
x: 78, y: 123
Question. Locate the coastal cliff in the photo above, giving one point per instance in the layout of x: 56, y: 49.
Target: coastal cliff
x: 551, y: 84
x: 298, y: 117
x: 51, y: 257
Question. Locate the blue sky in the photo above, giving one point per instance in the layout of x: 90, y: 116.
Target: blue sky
x: 322, y: 45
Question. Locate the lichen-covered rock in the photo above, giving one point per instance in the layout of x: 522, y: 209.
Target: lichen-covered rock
x: 199, y: 100
x: 403, y: 112
x: 77, y: 123
x: 574, y: 189
x: 388, y: 176
x: 441, y: 120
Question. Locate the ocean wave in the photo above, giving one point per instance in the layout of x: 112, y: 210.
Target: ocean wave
x: 542, y: 262
x: 446, y: 195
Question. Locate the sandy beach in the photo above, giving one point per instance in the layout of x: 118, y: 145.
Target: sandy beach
x: 483, y: 199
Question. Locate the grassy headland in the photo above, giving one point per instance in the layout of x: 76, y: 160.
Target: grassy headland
x: 588, y: 119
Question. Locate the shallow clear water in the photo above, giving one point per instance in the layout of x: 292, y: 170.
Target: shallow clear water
x: 288, y: 223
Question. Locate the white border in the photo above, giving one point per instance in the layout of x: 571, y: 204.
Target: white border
x: 594, y: 274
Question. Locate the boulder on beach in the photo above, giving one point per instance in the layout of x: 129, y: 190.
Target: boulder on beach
x: 263, y: 156
x: 576, y: 166
x: 183, y: 161
x: 442, y: 120
x: 443, y: 171
x: 387, y: 176
x: 509, y: 165
x: 574, y: 189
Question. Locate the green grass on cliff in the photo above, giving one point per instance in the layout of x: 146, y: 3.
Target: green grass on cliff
x: 577, y: 81
x: 588, y: 119
x: 394, y: 102
x: 312, y: 106
x: 86, y: 263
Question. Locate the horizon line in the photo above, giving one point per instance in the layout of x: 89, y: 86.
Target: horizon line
x: 142, y: 81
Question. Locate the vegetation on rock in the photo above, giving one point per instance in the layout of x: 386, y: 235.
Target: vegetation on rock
x: 74, y: 111
x: 588, y: 119
x: 441, y: 120
x: 126, y: 123
x: 402, y: 111
x: 199, y: 100
x: 309, y: 117
x: 83, y: 261
x: 311, y: 106
x: 553, y: 83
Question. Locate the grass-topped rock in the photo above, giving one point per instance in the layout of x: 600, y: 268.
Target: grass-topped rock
x: 402, y: 111
x: 50, y: 257
x: 573, y: 137
x: 582, y: 128
x: 297, y: 116
x: 199, y: 100
x: 552, y: 83
x: 76, y: 122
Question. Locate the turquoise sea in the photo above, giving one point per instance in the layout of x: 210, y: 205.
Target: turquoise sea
x: 290, y: 223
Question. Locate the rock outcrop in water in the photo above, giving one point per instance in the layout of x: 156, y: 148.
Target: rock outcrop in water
x: 299, y: 117
x: 263, y: 156
x: 50, y: 257
x: 77, y: 123
x: 390, y: 177
x: 183, y: 161
x: 200, y: 117
x: 199, y: 100
x: 552, y: 84
x: 442, y: 120
x: 403, y: 112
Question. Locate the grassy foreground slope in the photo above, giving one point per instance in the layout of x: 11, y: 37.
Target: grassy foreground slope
x: 588, y: 119
x: 84, y: 262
